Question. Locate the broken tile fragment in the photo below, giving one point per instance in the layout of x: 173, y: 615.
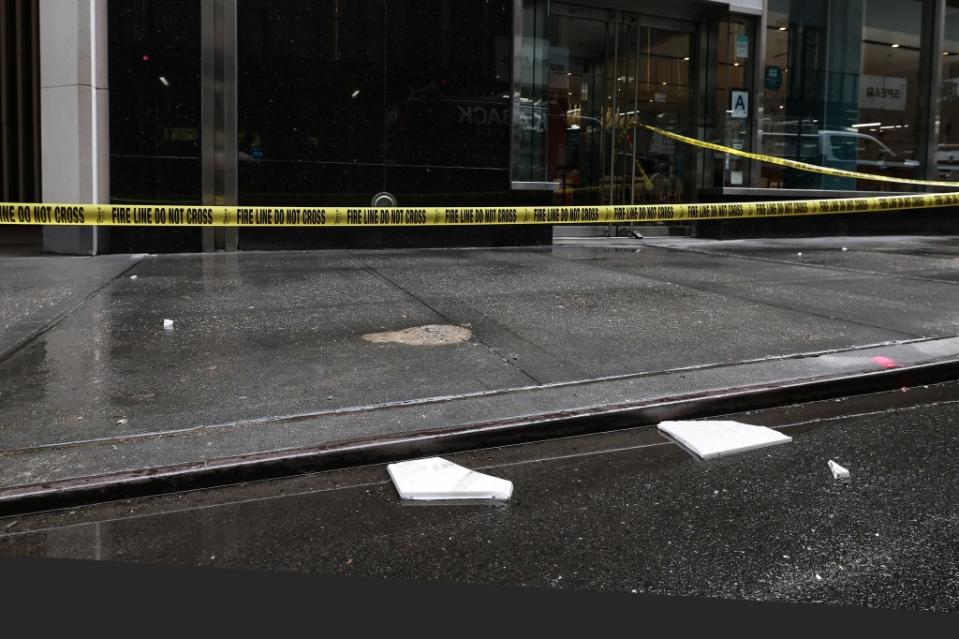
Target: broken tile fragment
x: 435, y: 478
x: 838, y: 472
x: 709, y: 439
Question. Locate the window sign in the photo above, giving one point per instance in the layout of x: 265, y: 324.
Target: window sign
x: 742, y: 46
x: 881, y: 92
x: 774, y: 78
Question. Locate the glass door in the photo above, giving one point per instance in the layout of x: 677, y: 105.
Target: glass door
x: 663, y: 99
x: 609, y: 72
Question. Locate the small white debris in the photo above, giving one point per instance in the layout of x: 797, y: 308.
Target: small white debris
x: 133, y: 277
x: 844, y: 249
x: 168, y: 324
x: 838, y: 472
x: 714, y: 438
x: 799, y: 253
x: 435, y: 478
x: 818, y: 577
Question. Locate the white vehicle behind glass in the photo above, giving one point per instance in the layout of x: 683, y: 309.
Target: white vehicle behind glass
x: 847, y: 150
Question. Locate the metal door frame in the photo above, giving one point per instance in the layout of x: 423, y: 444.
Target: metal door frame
x: 218, y: 115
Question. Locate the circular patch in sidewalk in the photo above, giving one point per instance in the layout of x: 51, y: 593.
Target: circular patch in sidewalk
x: 429, y: 335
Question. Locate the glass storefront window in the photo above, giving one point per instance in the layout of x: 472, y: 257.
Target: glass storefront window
x: 154, y: 74
x: 841, y: 89
x: 889, y: 88
x: 947, y: 152
x: 409, y: 98
x: 529, y: 99
x: 154, y: 70
x: 310, y: 101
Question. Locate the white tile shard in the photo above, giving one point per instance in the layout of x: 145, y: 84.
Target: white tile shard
x: 168, y: 324
x: 838, y: 472
x: 133, y: 277
x: 435, y: 478
x: 717, y: 438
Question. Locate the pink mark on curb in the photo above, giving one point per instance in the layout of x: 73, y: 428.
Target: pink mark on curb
x: 885, y: 362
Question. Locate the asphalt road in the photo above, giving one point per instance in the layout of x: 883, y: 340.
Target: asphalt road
x: 627, y: 511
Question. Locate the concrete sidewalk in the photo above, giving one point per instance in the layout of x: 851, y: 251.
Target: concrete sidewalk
x: 266, y: 358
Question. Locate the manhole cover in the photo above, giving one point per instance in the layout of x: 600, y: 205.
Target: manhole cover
x: 429, y: 335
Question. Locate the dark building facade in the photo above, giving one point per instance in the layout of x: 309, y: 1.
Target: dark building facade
x: 472, y: 102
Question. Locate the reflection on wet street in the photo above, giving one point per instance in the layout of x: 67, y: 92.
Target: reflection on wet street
x: 626, y: 511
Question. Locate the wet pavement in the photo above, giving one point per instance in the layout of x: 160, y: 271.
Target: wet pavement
x: 627, y: 511
x: 36, y: 292
x: 266, y: 353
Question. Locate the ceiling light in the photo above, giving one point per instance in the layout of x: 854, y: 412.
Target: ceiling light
x: 863, y: 125
x: 782, y: 28
x: 164, y: 81
x: 895, y: 45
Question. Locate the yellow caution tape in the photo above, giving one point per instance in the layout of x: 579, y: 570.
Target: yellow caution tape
x: 166, y: 215
x: 646, y: 181
x: 248, y: 216
x: 794, y: 164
